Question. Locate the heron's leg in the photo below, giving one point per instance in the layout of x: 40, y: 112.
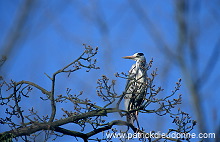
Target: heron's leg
x: 136, y: 118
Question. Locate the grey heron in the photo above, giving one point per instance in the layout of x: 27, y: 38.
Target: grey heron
x: 135, y: 90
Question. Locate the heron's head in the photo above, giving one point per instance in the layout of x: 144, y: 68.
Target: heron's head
x: 136, y: 57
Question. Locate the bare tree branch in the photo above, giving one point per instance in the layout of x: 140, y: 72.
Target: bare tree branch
x: 86, y: 113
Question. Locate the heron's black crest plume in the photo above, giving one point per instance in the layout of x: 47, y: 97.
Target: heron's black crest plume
x: 140, y: 54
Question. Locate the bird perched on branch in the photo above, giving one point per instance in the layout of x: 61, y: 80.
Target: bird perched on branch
x: 135, y: 90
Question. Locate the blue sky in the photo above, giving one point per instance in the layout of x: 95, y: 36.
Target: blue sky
x: 53, y: 33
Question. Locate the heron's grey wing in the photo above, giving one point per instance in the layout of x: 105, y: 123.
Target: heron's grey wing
x: 143, y: 86
x: 128, y: 89
x: 128, y: 95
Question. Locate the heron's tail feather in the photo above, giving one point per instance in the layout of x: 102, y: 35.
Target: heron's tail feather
x: 133, y: 117
x: 130, y: 118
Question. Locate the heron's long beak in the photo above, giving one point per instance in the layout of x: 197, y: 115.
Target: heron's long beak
x: 129, y: 57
